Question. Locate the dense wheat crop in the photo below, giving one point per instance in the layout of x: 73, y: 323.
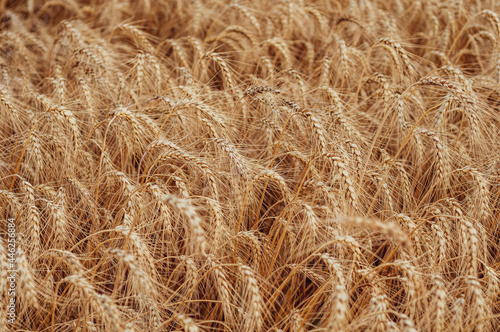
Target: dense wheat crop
x: 250, y: 165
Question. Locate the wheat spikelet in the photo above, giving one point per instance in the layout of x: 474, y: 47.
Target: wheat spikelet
x: 316, y: 278
x: 419, y: 147
x: 65, y: 117
x: 394, y: 57
x: 140, y: 280
x: 20, y: 48
x: 253, y: 298
x: 139, y: 246
x: 192, y: 275
x: 35, y: 149
x: 11, y: 110
x: 33, y: 217
x: 234, y: 155
x: 246, y: 12
x: 296, y: 76
x: 220, y: 230
x: 412, y: 281
x: 344, y: 60
x: 139, y: 36
x: 442, y: 109
x: 254, y: 246
x: 318, y: 130
x: 70, y: 259
x: 223, y: 288
x: 92, y: 59
x: 476, y: 296
x: 353, y: 245
x: 164, y: 213
x: 177, y: 153
x: 318, y: 17
x: 297, y: 322
x: 59, y: 84
x: 339, y: 117
x: 470, y: 246
x: 27, y: 285
x: 482, y: 193
x: 380, y: 320
x: 324, y: 79
x: 87, y: 96
x: 403, y: 55
x: 405, y: 185
x: 10, y: 203
x: 139, y: 68
x: 188, y: 323
x: 339, y: 313
x: 493, y: 287
x: 358, y: 160
x: 382, y: 183
x: 226, y: 72
x: 179, y: 182
x: 259, y: 89
x: 391, y: 230
x: 83, y: 192
x: 407, y: 324
x: 239, y: 31
x: 457, y: 91
x: 493, y: 18
x: 204, y: 109
x: 268, y: 66
x: 346, y: 178
x: 179, y: 51
x: 198, y: 234
x: 102, y: 303
x: 58, y: 215
x: 272, y: 175
x: 331, y: 200
x: 439, y: 303
x: 280, y: 45
x: 441, y: 155
x: 310, y: 227
x: 457, y: 314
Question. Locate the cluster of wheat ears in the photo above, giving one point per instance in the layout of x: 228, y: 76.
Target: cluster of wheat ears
x: 251, y: 165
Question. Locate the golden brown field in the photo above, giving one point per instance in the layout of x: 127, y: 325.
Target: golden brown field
x: 188, y: 165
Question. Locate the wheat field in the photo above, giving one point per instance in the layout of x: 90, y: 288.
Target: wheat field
x: 293, y: 165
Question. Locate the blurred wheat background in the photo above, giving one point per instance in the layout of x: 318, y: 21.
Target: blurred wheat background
x: 221, y: 165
